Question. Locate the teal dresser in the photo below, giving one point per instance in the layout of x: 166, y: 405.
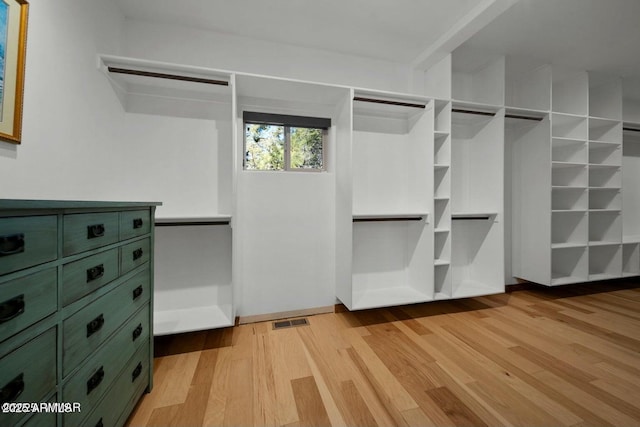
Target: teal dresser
x: 76, y: 311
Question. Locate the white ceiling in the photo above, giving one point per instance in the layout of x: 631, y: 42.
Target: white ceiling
x: 595, y: 35
x: 395, y: 30
x: 592, y: 35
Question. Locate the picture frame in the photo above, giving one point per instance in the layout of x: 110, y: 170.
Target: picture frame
x: 13, y: 49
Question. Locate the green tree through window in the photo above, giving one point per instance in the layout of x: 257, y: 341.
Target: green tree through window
x: 277, y: 147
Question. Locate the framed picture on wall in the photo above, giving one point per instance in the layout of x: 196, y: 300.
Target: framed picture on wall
x: 13, y: 47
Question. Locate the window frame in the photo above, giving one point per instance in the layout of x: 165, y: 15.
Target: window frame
x: 287, y: 122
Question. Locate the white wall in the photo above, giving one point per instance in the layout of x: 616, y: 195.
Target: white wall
x: 286, y: 227
x: 78, y: 143
x: 177, y: 44
x: 69, y: 111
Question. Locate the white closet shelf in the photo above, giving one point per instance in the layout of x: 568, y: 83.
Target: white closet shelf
x: 473, y: 215
x: 440, y: 166
x: 631, y: 239
x: 440, y: 134
x: 475, y: 106
x: 569, y: 187
x: 565, y: 280
x: 190, y: 319
x: 385, y: 297
x: 440, y: 262
x: 441, y: 230
x: 568, y: 245
x: 559, y: 165
x: 603, y: 276
x: 604, y: 243
x: 472, y: 288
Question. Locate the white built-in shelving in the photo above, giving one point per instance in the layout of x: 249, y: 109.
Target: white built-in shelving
x: 586, y: 171
x: 392, y: 191
x: 476, y: 205
x: 630, y: 178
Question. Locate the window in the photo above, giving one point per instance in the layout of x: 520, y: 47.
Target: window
x: 284, y: 143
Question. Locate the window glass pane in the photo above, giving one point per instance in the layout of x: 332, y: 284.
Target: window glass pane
x: 306, y: 148
x: 264, y: 147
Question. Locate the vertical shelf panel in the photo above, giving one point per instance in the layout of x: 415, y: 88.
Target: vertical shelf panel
x: 631, y: 187
x: 631, y: 259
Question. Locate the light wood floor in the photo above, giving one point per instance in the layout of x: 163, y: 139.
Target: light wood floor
x: 539, y: 357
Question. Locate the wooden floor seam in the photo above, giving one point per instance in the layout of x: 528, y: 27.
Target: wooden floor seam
x: 534, y: 356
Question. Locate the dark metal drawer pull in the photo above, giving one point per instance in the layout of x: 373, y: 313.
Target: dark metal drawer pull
x: 95, y: 325
x: 95, y: 273
x: 11, y: 245
x: 137, y: 223
x: 99, y: 423
x: 11, y: 308
x: 96, y: 230
x: 95, y: 380
x: 136, y: 332
x: 136, y: 372
x: 137, y: 292
x: 11, y: 391
x: 137, y: 254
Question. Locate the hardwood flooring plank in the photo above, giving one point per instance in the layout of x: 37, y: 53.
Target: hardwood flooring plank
x: 218, y: 391
x: 454, y: 408
x: 311, y: 410
x: 239, y: 405
x: 567, y: 356
x: 359, y: 413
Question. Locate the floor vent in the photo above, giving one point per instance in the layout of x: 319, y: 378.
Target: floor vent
x: 290, y: 323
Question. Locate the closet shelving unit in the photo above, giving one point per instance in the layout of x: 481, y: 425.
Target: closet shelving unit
x: 630, y: 179
x: 392, y: 237
x: 442, y: 198
x: 605, y: 177
x: 475, y: 181
x: 193, y: 264
x: 586, y: 180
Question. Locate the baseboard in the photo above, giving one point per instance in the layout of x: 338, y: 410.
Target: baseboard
x: 285, y: 314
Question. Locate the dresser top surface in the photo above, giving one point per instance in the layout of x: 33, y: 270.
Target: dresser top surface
x: 7, y: 205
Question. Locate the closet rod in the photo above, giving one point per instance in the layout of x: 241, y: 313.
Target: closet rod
x: 166, y: 76
x: 384, y: 101
x: 516, y: 116
x: 193, y: 223
x: 399, y: 218
x: 631, y: 129
x: 468, y: 218
x: 479, y: 113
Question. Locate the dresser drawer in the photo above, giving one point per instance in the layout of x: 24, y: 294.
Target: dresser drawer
x: 89, y: 231
x: 28, y: 373
x: 43, y: 419
x: 27, y: 241
x: 84, y: 276
x: 26, y: 300
x: 127, y: 388
x: 134, y: 224
x: 88, y: 385
x: 134, y: 254
x: 91, y: 326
